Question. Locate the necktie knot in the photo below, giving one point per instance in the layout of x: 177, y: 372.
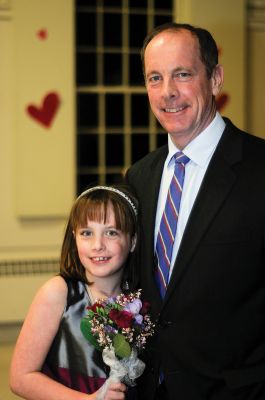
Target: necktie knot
x: 181, y: 158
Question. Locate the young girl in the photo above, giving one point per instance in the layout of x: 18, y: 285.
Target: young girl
x: 52, y: 360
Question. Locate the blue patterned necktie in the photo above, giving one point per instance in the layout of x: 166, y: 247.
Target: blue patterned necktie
x: 168, y: 224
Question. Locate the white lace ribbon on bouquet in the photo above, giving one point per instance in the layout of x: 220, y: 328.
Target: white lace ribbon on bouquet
x: 125, y: 370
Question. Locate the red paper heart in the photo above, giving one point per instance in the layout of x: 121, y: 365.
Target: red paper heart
x: 222, y: 100
x: 45, y: 113
x: 42, y: 34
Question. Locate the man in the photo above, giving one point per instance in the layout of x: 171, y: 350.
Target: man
x: 210, y: 339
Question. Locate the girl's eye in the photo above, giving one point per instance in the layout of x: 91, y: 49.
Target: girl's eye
x: 112, y: 233
x: 85, y: 232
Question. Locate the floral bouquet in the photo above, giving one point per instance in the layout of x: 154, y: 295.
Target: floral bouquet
x: 119, y: 327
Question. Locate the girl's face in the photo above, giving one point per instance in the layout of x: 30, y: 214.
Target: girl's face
x: 102, y: 248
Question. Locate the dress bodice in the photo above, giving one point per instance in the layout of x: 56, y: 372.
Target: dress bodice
x: 72, y: 360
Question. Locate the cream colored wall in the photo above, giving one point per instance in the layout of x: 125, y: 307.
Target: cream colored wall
x: 43, y: 64
x: 256, y: 82
x: 226, y: 20
x: 22, y: 289
x: 37, y: 165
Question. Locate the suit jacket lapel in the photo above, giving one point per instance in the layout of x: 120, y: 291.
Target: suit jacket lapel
x: 217, y: 183
x: 149, y: 205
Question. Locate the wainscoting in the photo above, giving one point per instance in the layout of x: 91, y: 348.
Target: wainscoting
x: 19, y: 281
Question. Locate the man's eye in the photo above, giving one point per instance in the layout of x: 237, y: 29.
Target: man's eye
x: 183, y: 75
x: 154, y: 79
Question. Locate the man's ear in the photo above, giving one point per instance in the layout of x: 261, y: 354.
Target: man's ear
x: 217, y: 79
x: 134, y: 240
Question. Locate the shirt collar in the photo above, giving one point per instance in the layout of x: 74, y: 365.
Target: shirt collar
x: 200, y: 149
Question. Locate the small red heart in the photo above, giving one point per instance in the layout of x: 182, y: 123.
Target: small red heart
x: 45, y: 113
x: 222, y: 100
x: 42, y: 34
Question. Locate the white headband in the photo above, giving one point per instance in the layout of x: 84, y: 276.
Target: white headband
x: 110, y: 189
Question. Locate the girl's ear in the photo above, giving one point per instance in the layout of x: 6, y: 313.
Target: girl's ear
x: 73, y: 233
x: 134, y: 240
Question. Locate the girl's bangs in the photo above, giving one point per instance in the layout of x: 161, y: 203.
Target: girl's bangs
x: 88, y: 209
x: 96, y: 208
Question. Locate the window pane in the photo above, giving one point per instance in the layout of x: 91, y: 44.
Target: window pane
x: 85, y: 180
x: 87, y: 109
x: 136, y: 74
x: 114, y: 150
x: 87, y: 150
x: 114, y: 110
x: 140, y: 146
x: 162, y: 19
x: 140, y: 110
x: 112, y: 179
x: 86, y: 29
x: 113, y: 3
x: 138, y: 29
x: 161, y: 139
x: 112, y: 69
x: 138, y: 3
x: 86, y: 69
x: 166, y: 4
x: 112, y: 30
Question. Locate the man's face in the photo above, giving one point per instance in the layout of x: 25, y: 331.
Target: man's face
x: 179, y: 91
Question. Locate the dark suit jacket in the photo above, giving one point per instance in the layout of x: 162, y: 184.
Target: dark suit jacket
x: 210, y: 340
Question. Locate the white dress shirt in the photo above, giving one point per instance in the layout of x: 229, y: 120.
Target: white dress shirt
x: 199, y: 151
